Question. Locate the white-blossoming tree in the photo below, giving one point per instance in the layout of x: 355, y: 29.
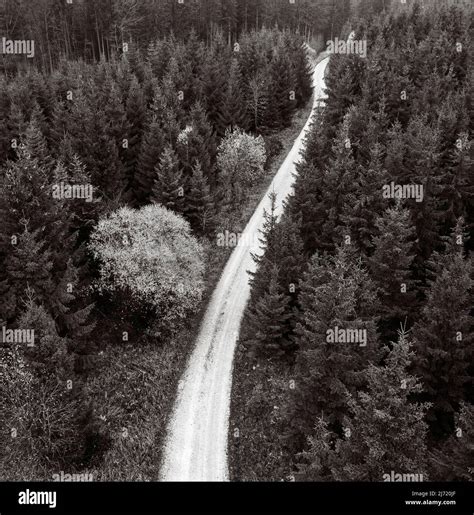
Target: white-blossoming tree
x: 150, y: 255
x: 241, y: 158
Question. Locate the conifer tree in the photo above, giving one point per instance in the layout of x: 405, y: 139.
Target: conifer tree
x: 257, y: 92
x: 422, y: 160
x: 168, y: 188
x: 383, y: 432
x: 365, y: 202
x: 198, y: 203
x: 262, y: 257
x: 232, y: 104
x: 282, y: 88
x: 452, y: 461
x: 36, y: 142
x: 39, y: 247
x: 336, y: 293
x: 283, y: 250
x: 302, y: 71
x: 49, y: 356
x: 151, y: 148
x: 96, y: 143
x: 267, y: 320
x: 390, y: 267
x: 197, y: 143
x: 443, y: 334
x: 337, y: 188
x: 135, y: 112
x: 214, y: 78
x: 456, y: 187
x: 28, y: 265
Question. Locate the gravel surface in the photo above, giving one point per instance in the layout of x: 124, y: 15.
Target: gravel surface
x: 196, y: 443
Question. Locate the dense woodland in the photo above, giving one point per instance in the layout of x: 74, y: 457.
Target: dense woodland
x: 149, y: 133
x: 88, y: 30
x: 345, y: 256
x: 143, y: 104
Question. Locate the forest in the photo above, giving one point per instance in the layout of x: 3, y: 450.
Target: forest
x: 138, y: 133
x: 118, y: 167
x: 357, y: 343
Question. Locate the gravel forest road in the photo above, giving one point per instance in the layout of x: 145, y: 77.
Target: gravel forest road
x: 196, y: 443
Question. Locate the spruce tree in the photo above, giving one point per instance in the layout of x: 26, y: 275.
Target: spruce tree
x: 337, y: 189
x: 389, y: 268
x: 198, y: 202
x: 168, y: 188
x: 135, y: 112
x: 336, y: 293
x: 27, y: 266
x: 36, y: 142
x: 197, y: 143
x: 232, y: 104
x: 214, y: 78
x: 281, y: 104
x: 49, y: 355
x: 263, y: 257
x: 383, y: 431
x: 443, y: 334
x: 365, y: 202
x: 452, y: 460
x: 151, y: 149
x: 267, y: 320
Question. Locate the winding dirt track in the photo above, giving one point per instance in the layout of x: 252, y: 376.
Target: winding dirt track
x: 196, y: 444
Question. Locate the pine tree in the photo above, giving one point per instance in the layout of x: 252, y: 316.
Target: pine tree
x: 266, y: 321
x: 168, y: 188
x: 390, y: 268
x: 214, y: 78
x: 135, y: 112
x: 83, y: 212
x: 337, y: 188
x: 336, y: 293
x: 283, y: 249
x: 365, y: 202
x: 444, y: 333
x: 383, y: 432
x: 264, y: 255
x: 36, y: 142
x: 199, y: 205
x: 422, y: 160
x: 49, y: 355
x: 232, y: 105
x: 302, y: 71
x: 197, y: 143
x: 258, y: 100
x: 456, y: 187
x: 453, y: 460
x: 39, y: 248
x: 27, y: 266
x: 151, y: 148
x: 281, y: 85
x: 342, y: 85
x: 96, y: 143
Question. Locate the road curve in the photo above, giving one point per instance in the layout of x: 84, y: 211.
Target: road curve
x: 196, y: 444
